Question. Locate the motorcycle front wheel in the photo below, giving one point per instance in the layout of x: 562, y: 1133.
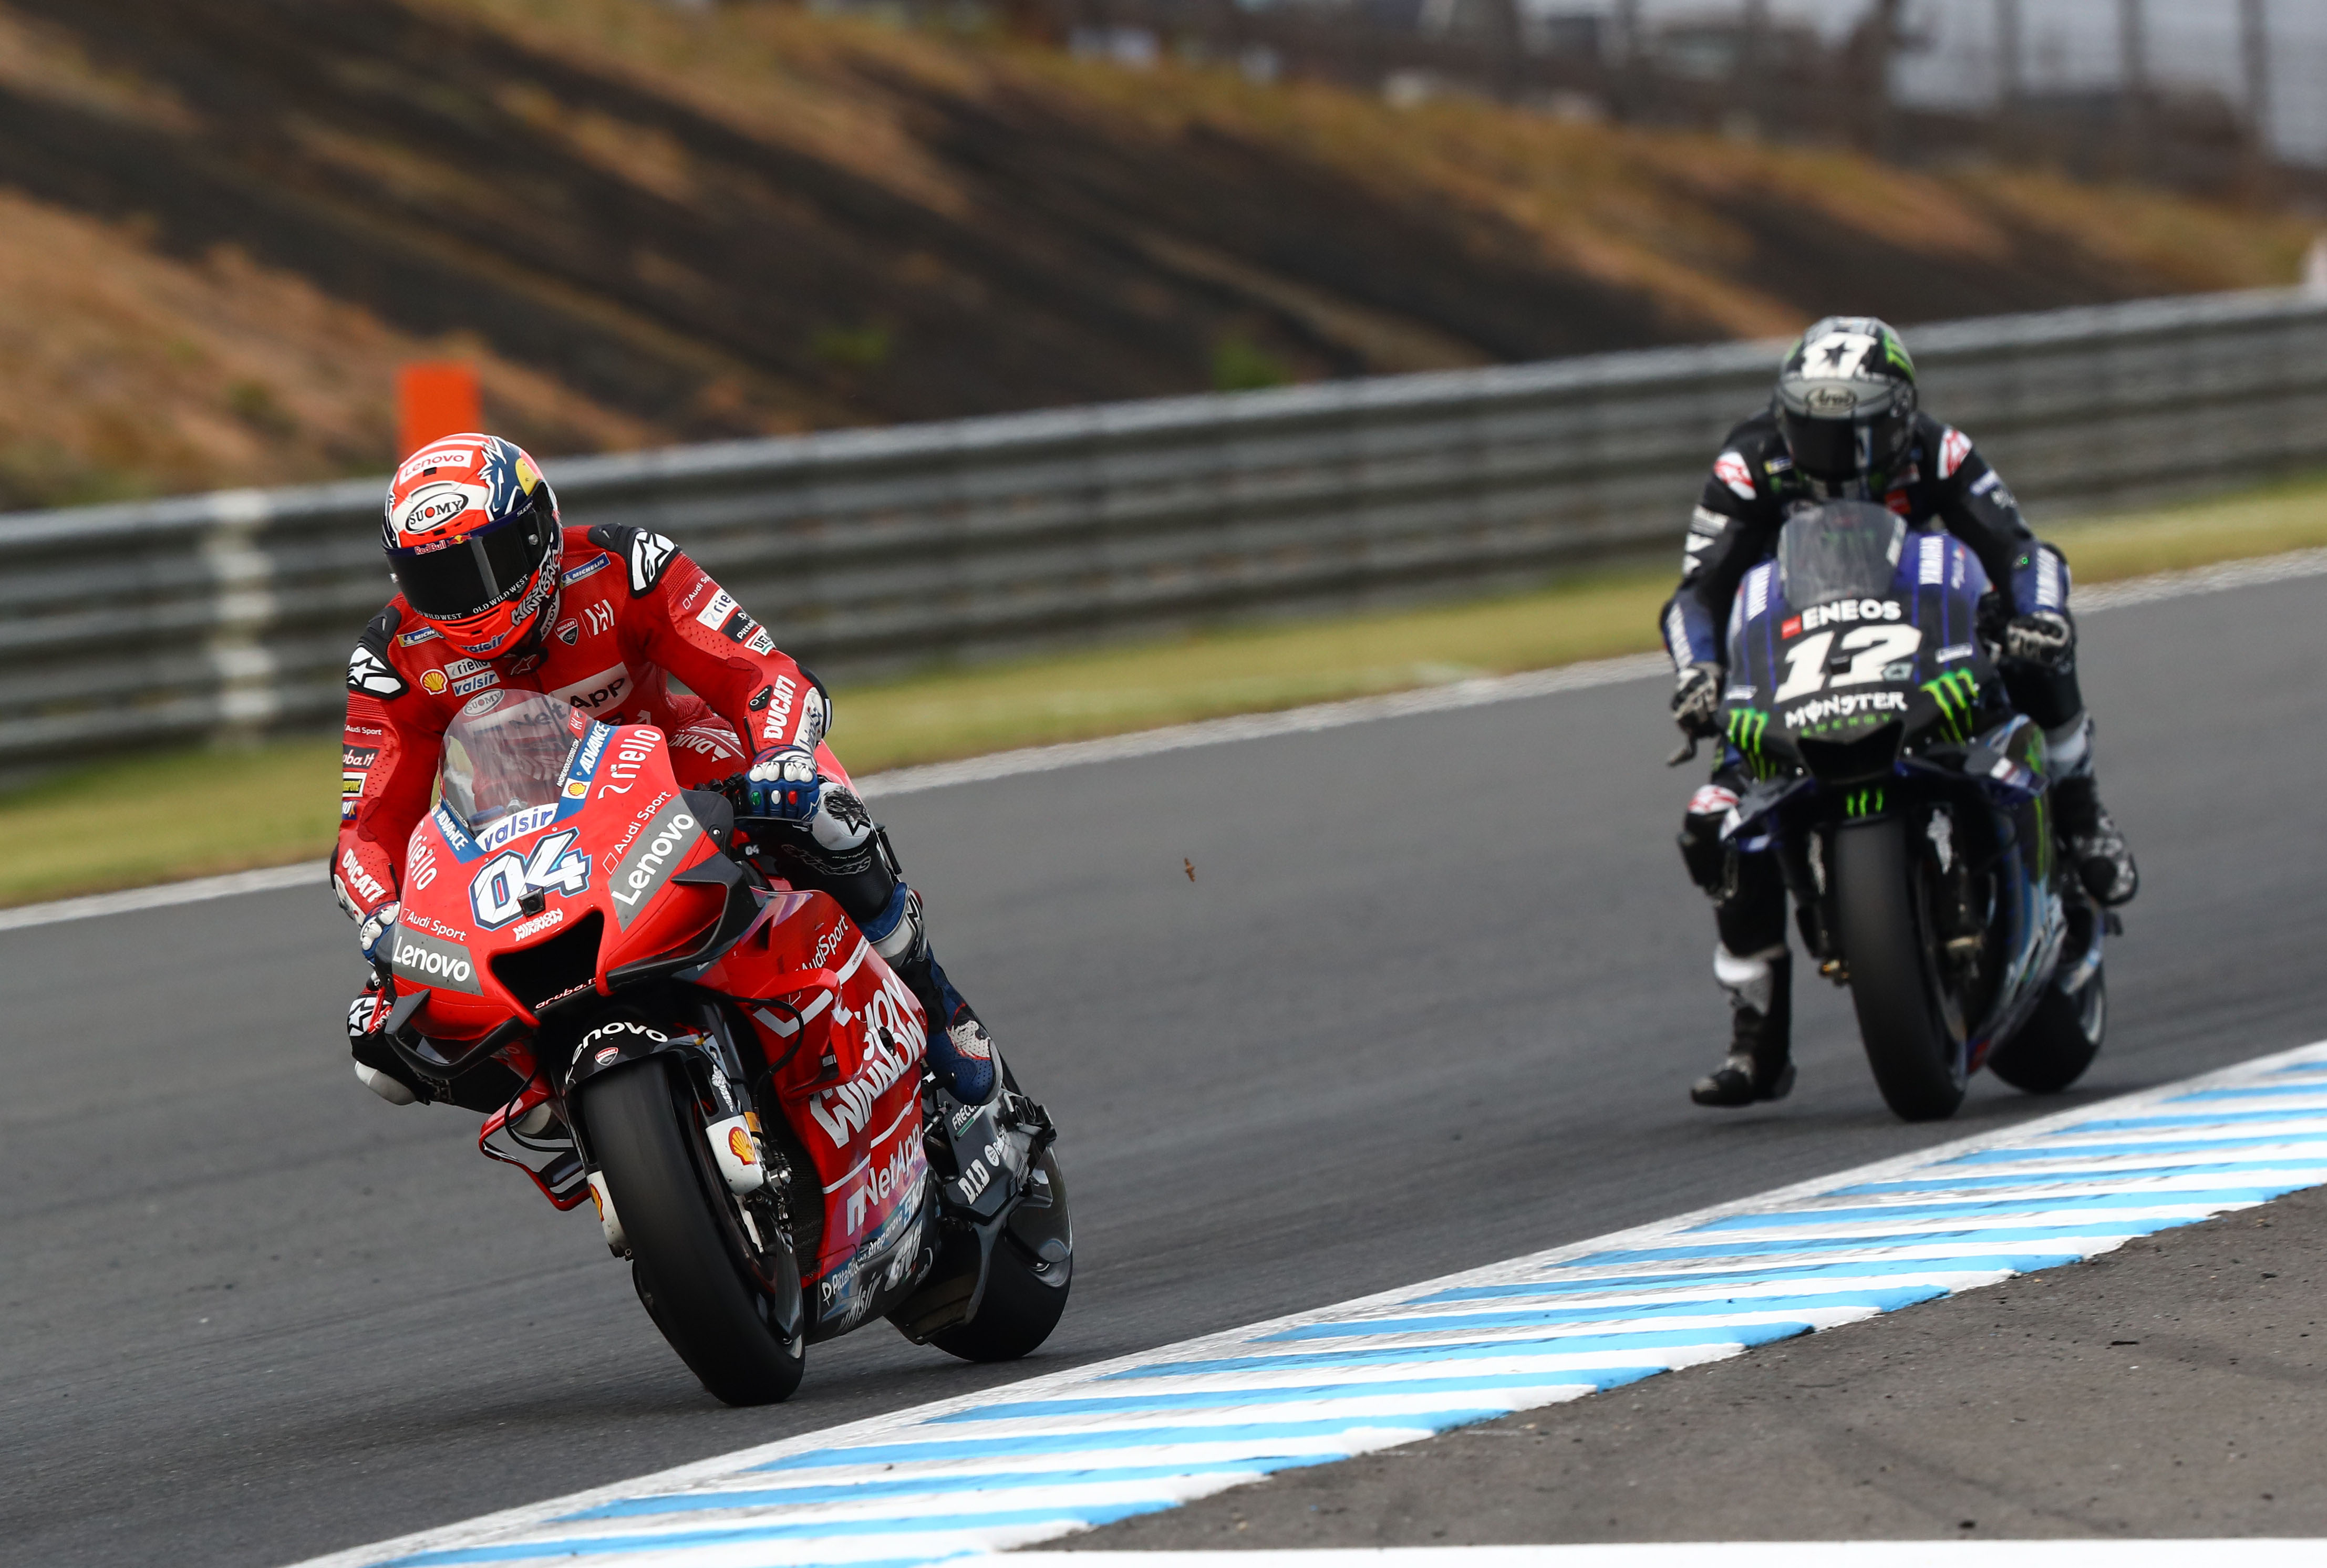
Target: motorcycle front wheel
x: 687, y: 1247
x: 1911, y: 1025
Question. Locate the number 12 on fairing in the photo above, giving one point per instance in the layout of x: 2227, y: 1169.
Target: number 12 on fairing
x: 1872, y: 646
x: 498, y: 893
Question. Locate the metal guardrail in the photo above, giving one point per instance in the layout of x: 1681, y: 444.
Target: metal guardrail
x: 234, y: 612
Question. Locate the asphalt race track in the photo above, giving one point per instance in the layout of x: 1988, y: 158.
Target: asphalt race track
x: 1431, y: 1001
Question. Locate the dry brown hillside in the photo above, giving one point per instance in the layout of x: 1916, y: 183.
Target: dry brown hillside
x: 223, y: 221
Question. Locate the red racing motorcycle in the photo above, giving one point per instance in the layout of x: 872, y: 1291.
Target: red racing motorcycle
x: 718, y: 1059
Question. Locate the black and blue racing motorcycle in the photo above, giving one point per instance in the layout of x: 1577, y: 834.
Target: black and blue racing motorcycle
x: 1908, y: 806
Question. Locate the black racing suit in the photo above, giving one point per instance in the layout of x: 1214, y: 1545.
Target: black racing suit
x: 1942, y: 484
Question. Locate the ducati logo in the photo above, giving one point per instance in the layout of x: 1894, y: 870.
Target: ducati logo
x: 569, y: 633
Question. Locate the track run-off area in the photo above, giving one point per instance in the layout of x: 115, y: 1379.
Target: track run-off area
x: 1429, y: 1002
x: 1064, y: 1452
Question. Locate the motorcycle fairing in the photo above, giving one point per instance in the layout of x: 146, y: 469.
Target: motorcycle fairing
x: 644, y: 909
x: 1835, y: 672
x: 1856, y: 714
x: 2011, y: 764
x: 846, y: 1040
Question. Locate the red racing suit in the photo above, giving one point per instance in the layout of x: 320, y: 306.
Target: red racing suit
x: 634, y: 611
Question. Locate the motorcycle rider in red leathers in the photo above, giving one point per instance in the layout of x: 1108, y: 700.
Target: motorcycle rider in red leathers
x: 494, y: 593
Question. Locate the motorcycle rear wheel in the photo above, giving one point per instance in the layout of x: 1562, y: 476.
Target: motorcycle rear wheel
x: 2057, y: 1043
x: 1910, y: 1027
x: 683, y: 1240
x: 1026, y: 1290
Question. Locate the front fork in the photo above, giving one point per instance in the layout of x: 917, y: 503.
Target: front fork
x: 1958, y: 911
x: 751, y: 1162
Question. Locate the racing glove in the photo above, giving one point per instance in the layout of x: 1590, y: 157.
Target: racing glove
x: 2040, y: 636
x: 783, y: 782
x: 1697, y: 700
x: 373, y: 934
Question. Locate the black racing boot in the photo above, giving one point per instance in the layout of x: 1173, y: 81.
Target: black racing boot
x: 1760, y: 1065
x: 2103, y: 859
x: 961, y: 1050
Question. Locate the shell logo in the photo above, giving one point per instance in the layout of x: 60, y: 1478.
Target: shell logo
x: 432, y: 682
x: 738, y: 1144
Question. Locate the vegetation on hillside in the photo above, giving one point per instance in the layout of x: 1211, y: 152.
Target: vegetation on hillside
x: 223, y: 222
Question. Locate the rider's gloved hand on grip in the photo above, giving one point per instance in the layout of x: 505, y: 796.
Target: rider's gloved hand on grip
x: 372, y: 934
x: 783, y: 782
x: 1697, y: 700
x: 2040, y: 637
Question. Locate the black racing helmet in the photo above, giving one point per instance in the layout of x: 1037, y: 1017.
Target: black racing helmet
x: 1846, y: 400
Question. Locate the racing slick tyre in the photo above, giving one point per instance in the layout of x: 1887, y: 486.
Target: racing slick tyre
x: 1910, y: 1024
x: 689, y: 1259
x: 1026, y: 1280
x: 2058, y: 1041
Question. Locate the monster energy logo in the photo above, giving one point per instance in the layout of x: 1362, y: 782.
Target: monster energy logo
x: 1747, y: 727
x: 1863, y: 803
x: 1957, y: 693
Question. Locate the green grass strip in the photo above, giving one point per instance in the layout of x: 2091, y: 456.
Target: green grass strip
x: 205, y: 811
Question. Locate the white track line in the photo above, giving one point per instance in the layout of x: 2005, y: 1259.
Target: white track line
x: 1068, y: 1450
x: 306, y: 873
x: 1476, y: 692
x: 1481, y: 692
x: 1458, y: 695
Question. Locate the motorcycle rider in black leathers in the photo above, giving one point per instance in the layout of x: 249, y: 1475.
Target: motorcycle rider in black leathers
x: 1844, y: 424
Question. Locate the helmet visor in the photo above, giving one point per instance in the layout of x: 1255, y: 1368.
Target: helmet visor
x: 1828, y: 448
x: 464, y: 577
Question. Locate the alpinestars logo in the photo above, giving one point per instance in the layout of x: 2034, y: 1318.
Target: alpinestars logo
x: 370, y: 674
x: 649, y: 554
x: 847, y: 810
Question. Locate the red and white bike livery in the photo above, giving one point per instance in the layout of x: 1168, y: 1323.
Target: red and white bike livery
x: 721, y: 1060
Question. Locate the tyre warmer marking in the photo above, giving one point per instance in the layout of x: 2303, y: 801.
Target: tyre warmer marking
x: 1064, y: 1452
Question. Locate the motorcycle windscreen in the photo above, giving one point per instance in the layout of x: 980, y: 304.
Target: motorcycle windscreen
x: 1841, y: 550
x: 504, y: 751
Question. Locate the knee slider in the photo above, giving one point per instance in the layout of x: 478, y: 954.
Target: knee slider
x: 2070, y: 747
x: 897, y: 932
x: 1709, y: 861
